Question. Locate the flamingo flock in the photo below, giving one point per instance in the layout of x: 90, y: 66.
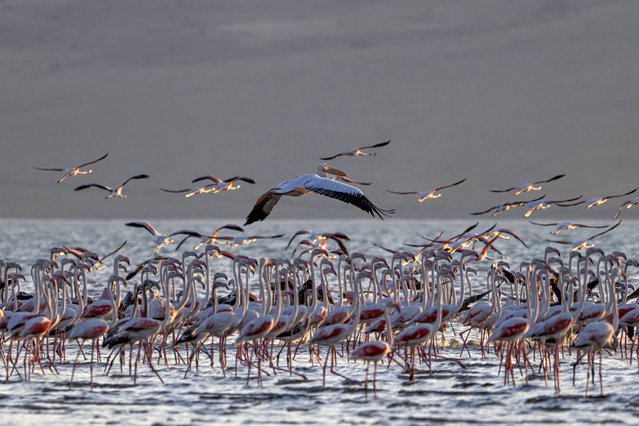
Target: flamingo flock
x: 401, y: 311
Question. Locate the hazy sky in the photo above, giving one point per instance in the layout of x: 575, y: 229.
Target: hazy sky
x: 501, y: 92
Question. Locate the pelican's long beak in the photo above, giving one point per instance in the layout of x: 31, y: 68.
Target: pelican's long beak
x: 334, y: 171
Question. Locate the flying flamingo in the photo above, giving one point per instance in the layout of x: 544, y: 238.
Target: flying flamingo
x: 112, y: 192
x: 73, y: 171
x: 357, y: 152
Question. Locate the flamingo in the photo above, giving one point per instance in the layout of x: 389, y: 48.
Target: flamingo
x: 594, y: 336
x: 527, y: 187
x: 428, y: 195
x: 357, y: 152
x: 376, y: 350
x: 112, y: 192
x: 73, y: 171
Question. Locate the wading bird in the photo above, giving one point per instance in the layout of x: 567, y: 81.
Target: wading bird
x: 113, y: 192
x: 427, y: 195
x: 73, y: 171
x: 318, y: 183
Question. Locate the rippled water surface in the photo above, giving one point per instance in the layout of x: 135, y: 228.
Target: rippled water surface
x: 467, y: 392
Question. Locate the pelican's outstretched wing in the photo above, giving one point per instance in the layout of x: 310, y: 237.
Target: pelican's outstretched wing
x: 92, y: 162
x: 346, y: 193
x: 144, y: 225
x: 263, y: 207
x: 451, y: 185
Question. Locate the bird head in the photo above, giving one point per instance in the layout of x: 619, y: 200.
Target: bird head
x: 323, y: 167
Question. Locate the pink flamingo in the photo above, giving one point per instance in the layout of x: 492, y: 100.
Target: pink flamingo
x: 376, y: 350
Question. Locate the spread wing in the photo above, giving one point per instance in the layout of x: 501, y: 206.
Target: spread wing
x: 207, y: 177
x: 261, y: 237
x: 332, y: 157
x: 144, y: 225
x: 120, y: 247
x: 242, y: 178
x: 451, y: 185
x: 93, y: 162
x: 49, y: 170
x: 503, y: 190
x: 300, y: 232
x: 549, y: 180
x: 263, y: 207
x: 134, y: 178
x: 622, y: 195
x: 606, y: 231
x: 514, y: 203
x: 346, y: 193
x: 377, y: 145
x: 543, y: 224
x: 175, y: 191
x: 92, y: 185
x: 403, y: 192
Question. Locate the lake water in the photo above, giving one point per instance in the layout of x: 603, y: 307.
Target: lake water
x: 472, y: 393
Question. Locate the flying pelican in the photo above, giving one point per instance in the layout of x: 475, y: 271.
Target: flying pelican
x: 160, y: 240
x: 356, y: 152
x: 504, y: 207
x: 113, y: 192
x: 543, y: 205
x: 220, y: 185
x: 566, y: 226
x: 582, y: 244
x: 423, y: 196
x: 526, y: 187
x: 597, y: 201
x: 73, y: 171
x: 626, y: 205
x: 319, y: 183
